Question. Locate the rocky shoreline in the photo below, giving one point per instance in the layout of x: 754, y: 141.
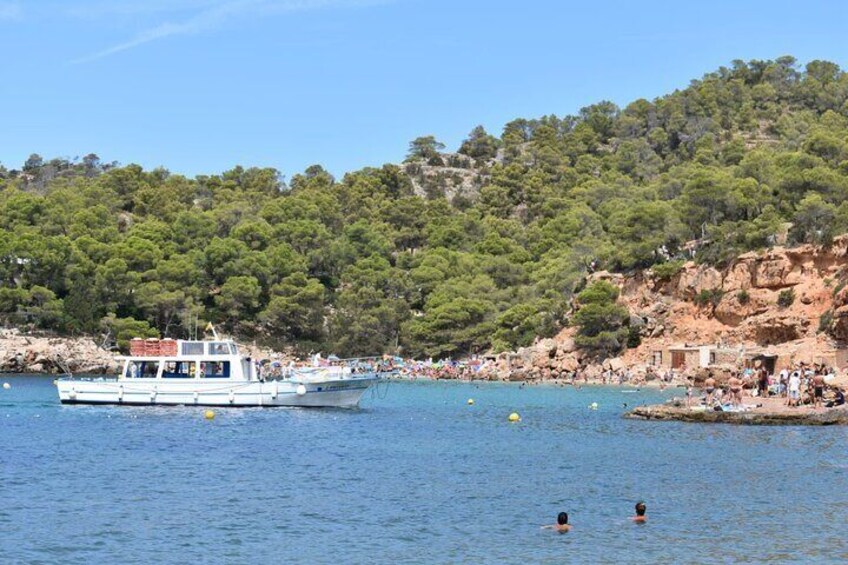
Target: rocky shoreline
x: 21, y: 353
x: 767, y: 413
x: 52, y: 355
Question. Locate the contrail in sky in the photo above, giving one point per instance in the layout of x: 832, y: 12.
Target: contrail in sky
x: 216, y: 16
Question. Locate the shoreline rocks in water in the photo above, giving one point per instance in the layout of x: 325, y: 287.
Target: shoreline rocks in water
x: 771, y: 412
x: 20, y: 353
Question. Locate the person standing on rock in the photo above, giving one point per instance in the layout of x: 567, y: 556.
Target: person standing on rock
x: 735, y: 384
x: 818, y: 390
x: 762, y: 383
x: 783, y: 389
x: 709, y: 388
x: 794, y: 389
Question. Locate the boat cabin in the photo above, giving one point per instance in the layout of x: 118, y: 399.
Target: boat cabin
x: 185, y: 359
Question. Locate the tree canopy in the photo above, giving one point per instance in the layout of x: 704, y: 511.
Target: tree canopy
x: 445, y: 254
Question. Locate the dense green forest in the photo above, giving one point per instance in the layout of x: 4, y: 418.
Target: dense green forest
x: 391, y: 257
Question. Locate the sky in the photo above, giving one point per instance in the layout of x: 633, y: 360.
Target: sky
x: 199, y: 86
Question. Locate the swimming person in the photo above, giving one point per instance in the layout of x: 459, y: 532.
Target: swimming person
x: 562, y: 524
x: 640, y: 517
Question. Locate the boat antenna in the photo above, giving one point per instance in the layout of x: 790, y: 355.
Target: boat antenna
x: 211, y: 328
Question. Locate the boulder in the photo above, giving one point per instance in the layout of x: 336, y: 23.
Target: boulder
x: 592, y: 371
x: 776, y: 271
x: 547, y: 347
x: 738, y: 277
x: 567, y: 345
x: 569, y: 363
x: 731, y: 312
x: 775, y: 327
x: 693, y: 280
x: 614, y: 364
x: 839, y: 326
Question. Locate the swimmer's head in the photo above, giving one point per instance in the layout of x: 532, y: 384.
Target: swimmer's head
x: 640, y: 508
x: 562, y: 518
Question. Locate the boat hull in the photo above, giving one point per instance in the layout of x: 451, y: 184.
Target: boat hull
x: 344, y: 393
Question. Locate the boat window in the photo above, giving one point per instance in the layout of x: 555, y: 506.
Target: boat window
x: 219, y: 349
x: 142, y: 369
x: 215, y: 369
x: 192, y: 348
x: 178, y: 370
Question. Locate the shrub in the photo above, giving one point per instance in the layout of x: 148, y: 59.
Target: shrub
x: 634, y: 338
x: 743, y: 297
x: 786, y: 298
x: 601, y: 322
x: 712, y: 296
x: 665, y: 271
x: 825, y: 320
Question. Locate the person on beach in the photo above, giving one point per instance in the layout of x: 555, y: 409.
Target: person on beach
x: 688, y: 396
x: 818, y: 390
x: 640, y: 517
x: 735, y: 384
x: 783, y: 390
x: 838, y: 399
x: 794, y: 389
x: 562, y: 524
x: 709, y: 387
x: 762, y: 383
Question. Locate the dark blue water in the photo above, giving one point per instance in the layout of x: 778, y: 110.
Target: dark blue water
x: 414, y: 477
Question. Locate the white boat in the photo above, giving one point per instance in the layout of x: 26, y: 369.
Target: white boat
x: 213, y: 373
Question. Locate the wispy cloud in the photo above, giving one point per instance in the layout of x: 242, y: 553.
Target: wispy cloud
x: 10, y: 11
x: 96, y: 9
x: 211, y: 16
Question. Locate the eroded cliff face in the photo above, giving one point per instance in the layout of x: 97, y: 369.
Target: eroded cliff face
x: 738, y: 306
x: 768, y: 298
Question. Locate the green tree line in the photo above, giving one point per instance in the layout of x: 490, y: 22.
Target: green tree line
x: 368, y: 264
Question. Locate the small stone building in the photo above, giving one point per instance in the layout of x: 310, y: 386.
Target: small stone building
x: 683, y: 357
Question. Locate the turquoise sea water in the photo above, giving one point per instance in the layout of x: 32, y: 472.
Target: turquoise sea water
x: 415, y: 476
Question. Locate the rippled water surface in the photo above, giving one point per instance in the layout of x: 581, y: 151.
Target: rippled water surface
x: 415, y: 476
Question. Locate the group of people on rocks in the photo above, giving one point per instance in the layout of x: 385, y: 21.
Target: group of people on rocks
x: 802, y: 384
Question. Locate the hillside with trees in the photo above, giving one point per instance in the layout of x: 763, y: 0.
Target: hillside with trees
x: 447, y: 253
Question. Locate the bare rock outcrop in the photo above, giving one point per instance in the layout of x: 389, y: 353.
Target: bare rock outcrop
x: 32, y: 354
x: 693, y: 280
x: 839, y: 320
x: 775, y: 328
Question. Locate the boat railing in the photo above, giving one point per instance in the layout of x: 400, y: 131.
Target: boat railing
x: 90, y: 378
x: 347, y: 368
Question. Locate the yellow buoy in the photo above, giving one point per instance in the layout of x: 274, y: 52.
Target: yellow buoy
x: 209, y: 415
x: 514, y: 417
x: 470, y: 402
